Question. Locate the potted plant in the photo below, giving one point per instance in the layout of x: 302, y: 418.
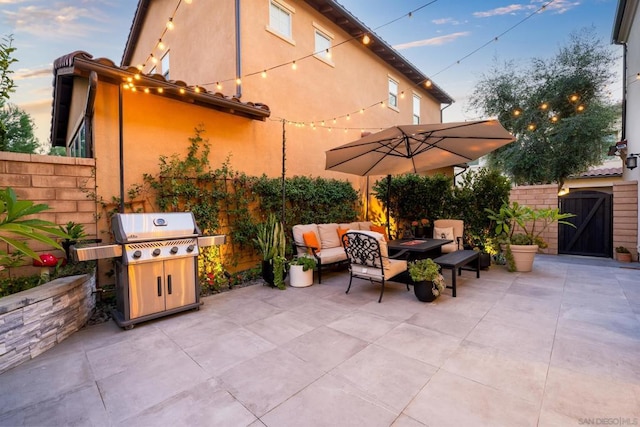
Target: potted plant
x: 301, y: 271
x: 521, y: 247
x: 623, y: 254
x: 482, y: 243
x: 271, y: 242
x: 428, y: 283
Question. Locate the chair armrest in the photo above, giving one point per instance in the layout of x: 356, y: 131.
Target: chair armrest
x: 313, y: 250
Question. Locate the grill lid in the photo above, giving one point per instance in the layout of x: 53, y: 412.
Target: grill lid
x: 140, y: 227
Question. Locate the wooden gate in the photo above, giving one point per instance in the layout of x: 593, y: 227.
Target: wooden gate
x: 593, y: 235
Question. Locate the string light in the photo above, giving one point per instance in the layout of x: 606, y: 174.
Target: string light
x: 264, y: 74
x: 154, y: 59
x: 238, y: 81
x: 402, y: 95
x: 137, y: 76
x: 517, y: 112
x: 160, y: 90
x: 580, y: 108
x: 544, y: 106
x: 328, y: 54
x: 182, y: 91
x: 218, y: 86
x: 574, y: 97
x: 532, y: 126
x: 428, y: 83
x: 366, y: 40
x: 170, y: 25
x: 348, y: 116
x: 187, y: 1
x: 161, y: 45
x: 554, y: 119
x: 294, y: 66
x: 146, y: 90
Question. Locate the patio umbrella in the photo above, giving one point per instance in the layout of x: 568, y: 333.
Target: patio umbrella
x: 417, y: 148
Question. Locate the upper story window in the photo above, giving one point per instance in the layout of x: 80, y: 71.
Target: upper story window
x: 322, y: 44
x: 164, y: 66
x: 280, y: 18
x: 393, y: 93
x: 416, y: 109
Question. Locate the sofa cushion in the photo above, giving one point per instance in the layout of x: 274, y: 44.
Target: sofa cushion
x: 350, y: 226
x: 329, y: 236
x: 394, y: 267
x: 311, y: 241
x: 365, y: 225
x: 380, y: 229
x: 331, y: 255
x: 298, y: 230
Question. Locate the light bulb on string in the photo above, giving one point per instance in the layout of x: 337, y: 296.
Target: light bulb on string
x: 140, y: 67
x: 154, y: 59
x: 197, y: 89
x: 574, y: 97
x: 517, y: 112
x: 160, y: 90
x: 161, y: 45
x: 218, y: 86
x: 382, y: 104
x: 402, y: 95
x: 544, y: 106
x: 348, y: 116
x: 170, y: 25
x: 532, y: 126
x: 129, y: 79
x: 137, y: 76
x: 362, y: 111
x: 187, y: 1
x: 554, y: 119
x: 328, y: 54
x: 133, y: 89
x: 238, y: 81
x: 146, y: 90
x: 294, y: 66
x: 264, y: 74
x: 182, y: 91
x: 580, y: 108
x: 428, y: 83
x: 366, y: 40
x: 334, y: 121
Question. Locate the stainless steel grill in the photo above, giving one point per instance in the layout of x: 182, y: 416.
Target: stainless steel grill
x: 156, y: 264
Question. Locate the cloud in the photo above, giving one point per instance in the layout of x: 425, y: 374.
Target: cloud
x: 558, y: 6
x: 56, y: 20
x: 434, y: 41
x: 28, y: 73
x: 443, y: 21
x: 506, y: 10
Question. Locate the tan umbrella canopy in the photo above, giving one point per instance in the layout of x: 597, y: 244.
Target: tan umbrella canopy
x: 418, y: 148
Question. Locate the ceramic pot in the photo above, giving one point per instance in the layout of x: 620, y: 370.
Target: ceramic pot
x: 298, y: 278
x: 623, y: 256
x: 523, y: 256
x: 423, y: 291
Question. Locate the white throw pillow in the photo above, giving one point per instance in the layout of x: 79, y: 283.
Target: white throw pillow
x: 443, y: 233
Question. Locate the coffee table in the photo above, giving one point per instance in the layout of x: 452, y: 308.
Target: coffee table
x: 418, y: 248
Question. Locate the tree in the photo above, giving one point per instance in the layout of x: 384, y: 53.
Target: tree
x: 555, y: 108
x: 18, y: 137
x: 6, y: 83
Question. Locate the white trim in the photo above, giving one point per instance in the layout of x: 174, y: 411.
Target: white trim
x: 319, y: 55
x: 390, y: 79
x: 286, y: 8
x: 280, y: 35
x: 323, y: 30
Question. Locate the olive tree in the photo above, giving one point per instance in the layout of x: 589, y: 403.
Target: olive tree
x: 556, y: 108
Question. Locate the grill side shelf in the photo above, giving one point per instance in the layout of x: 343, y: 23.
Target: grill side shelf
x: 96, y: 252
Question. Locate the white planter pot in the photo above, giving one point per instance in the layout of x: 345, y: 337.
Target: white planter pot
x: 299, y: 278
x: 523, y: 256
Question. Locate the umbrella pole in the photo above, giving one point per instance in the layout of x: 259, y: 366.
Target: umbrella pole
x: 366, y: 202
x: 284, y: 182
x: 388, y: 202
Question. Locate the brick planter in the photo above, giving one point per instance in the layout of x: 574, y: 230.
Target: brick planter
x: 37, y: 319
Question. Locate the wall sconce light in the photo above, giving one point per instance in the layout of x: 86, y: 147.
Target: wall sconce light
x: 632, y: 160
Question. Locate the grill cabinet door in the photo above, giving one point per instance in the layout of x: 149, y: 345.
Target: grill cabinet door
x: 180, y: 282
x: 146, y: 289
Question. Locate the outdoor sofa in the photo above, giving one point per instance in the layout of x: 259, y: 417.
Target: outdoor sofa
x: 323, y: 242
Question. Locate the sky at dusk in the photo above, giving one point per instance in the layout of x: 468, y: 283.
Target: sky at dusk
x: 444, y: 38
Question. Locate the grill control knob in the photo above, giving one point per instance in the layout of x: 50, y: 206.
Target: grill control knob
x: 137, y: 254
x: 174, y: 250
x: 190, y: 248
x: 155, y: 252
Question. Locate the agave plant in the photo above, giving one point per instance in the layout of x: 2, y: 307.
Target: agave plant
x: 13, y: 221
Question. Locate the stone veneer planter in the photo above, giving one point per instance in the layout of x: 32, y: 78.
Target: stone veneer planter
x: 37, y: 319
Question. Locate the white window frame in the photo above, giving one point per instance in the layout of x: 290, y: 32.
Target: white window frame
x: 319, y: 33
x: 393, y: 100
x: 165, y: 66
x: 276, y: 29
x: 416, y: 111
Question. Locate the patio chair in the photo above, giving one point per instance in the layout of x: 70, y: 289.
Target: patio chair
x: 451, y: 229
x: 369, y: 259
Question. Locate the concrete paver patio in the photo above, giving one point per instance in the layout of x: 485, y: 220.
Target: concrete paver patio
x: 556, y: 347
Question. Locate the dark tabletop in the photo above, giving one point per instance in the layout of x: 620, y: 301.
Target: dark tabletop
x: 417, y: 245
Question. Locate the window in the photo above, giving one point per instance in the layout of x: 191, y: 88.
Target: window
x: 323, y: 44
x: 416, y: 109
x: 78, y: 146
x: 164, y: 66
x: 393, y: 93
x: 280, y: 19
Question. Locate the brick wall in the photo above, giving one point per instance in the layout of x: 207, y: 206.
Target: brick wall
x: 625, y: 212
x: 625, y: 216
x: 65, y: 184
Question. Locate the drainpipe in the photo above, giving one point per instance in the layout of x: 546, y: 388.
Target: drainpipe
x: 624, y: 92
x: 444, y: 108
x: 238, y: 51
